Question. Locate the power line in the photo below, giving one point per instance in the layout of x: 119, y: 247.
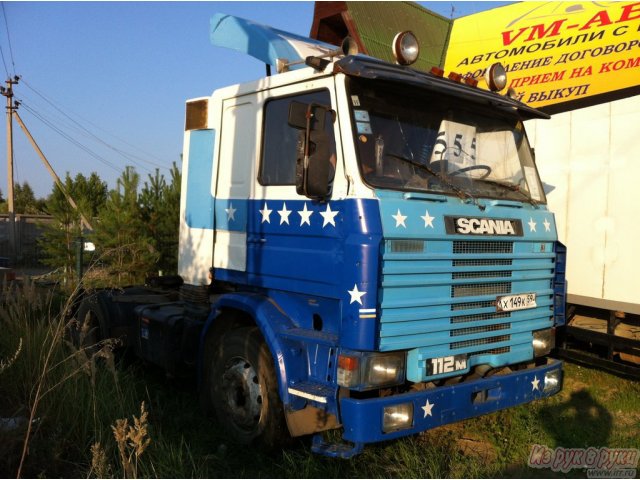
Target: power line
x: 56, y: 126
x: 75, y: 128
x: 4, y: 62
x: 70, y: 139
x: 127, y: 155
x: 6, y: 24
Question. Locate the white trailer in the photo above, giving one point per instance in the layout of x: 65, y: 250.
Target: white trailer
x: 590, y: 160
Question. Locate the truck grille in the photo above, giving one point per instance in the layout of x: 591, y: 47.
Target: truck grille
x: 480, y: 262
x: 479, y: 317
x: 480, y: 341
x: 461, y: 247
x: 472, y: 305
x: 482, y: 329
x: 478, y: 289
x: 489, y: 274
x: 447, y: 290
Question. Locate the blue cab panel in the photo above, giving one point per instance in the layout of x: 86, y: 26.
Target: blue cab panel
x: 390, y: 274
x: 200, y: 202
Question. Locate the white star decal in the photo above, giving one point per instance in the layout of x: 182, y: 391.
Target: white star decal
x: 231, y: 212
x: 284, y: 214
x: 329, y: 216
x: 535, y: 384
x: 265, y: 213
x: 532, y: 225
x: 356, y: 296
x: 547, y: 225
x: 428, y: 219
x: 305, y: 215
x: 427, y: 409
x: 399, y: 218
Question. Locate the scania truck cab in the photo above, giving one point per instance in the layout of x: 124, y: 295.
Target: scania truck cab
x: 375, y: 247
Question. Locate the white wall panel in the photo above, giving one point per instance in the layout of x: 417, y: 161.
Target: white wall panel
x: 592, y: 158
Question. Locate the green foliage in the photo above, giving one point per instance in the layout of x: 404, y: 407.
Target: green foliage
x: 160, y: 210
x: 59, y: 241
x: 24, y: 201
x: 124, y: 241
x: 135, y: 230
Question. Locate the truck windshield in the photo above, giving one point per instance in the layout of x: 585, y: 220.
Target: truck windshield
x: 410, y: 139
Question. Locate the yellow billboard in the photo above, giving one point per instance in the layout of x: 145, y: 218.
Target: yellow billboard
x: 554, y: 52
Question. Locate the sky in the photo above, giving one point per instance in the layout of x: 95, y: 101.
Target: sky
x: 103, y: 84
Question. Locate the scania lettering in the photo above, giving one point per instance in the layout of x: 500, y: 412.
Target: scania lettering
x: 363, y: 247
x: 487, y: 226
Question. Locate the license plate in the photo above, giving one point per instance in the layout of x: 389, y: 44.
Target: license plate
x: 452, y: 363
x: 522, y: 301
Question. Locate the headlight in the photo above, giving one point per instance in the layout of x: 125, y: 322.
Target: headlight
x: 496, y: 77
x: 552, y: 380
x: 364, y: 371
x: 397, y: 417
x: 543, y: 341
x: 406, y: 48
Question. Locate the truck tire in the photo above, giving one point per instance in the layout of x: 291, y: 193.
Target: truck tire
x: 90, y: 328
x: 241, y: 386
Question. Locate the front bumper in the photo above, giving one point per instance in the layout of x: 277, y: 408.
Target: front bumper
x: 362, y: 419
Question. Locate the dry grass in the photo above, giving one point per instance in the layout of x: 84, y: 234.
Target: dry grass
x: 132, y: 441
x: 6, y: 363
x: 78, y: 393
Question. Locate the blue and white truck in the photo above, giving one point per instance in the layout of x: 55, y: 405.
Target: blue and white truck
x: 362, y: 246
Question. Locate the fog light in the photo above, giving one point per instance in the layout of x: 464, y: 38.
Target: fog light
x: 552, y: 380
x: 397, y: 417
x: 543, y: 341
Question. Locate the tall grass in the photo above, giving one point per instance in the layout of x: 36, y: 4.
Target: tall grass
x: 64, y: 399
x: 75, y: 412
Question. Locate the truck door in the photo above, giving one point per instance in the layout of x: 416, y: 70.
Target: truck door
x: 235, y: 180
x: 292, y: 239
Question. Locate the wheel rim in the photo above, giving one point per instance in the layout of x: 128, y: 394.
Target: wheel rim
x: 242, y: 393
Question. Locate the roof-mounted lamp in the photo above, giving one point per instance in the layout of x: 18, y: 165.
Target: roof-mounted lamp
x: 405, y: 48
x: 496, y: 77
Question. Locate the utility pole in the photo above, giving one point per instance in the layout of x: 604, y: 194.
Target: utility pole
x: 8, y: 92
x: 84, y: 222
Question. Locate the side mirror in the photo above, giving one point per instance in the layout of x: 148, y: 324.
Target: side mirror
x: 313, y: 163
x: 313, y: 113
x: 313, y: 179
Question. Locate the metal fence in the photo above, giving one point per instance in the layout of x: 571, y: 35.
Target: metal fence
x: 29, y: 228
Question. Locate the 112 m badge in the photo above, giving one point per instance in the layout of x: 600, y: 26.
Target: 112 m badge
x: 450, y: 364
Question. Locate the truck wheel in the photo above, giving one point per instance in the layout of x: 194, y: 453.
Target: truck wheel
x: 89, y: 330
x: 240, y: 384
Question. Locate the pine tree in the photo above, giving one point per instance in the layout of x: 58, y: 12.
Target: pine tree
x: 121, y: 235
x: 160, y: 208
x: 24, y: 200
x: 60, y: 237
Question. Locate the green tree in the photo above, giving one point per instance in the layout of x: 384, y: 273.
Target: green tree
x: 60, y: 237
x: 160, y: 210
x: 121, y: 236
x: 24, y: 200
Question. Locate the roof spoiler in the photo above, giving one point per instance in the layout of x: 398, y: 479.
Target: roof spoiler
x: 278, y: 48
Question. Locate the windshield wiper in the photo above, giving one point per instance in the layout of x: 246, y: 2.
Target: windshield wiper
x: 512, y: 187
x: 461, y: 193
